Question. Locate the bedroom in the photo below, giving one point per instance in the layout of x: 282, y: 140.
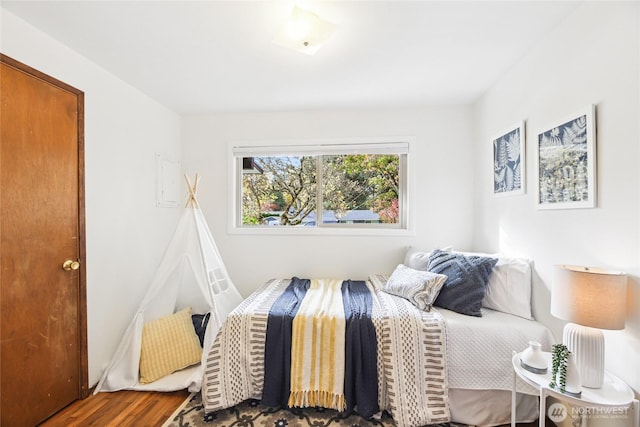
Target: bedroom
x: 124, y: 128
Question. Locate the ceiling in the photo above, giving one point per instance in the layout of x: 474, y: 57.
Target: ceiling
x: 199, y: 57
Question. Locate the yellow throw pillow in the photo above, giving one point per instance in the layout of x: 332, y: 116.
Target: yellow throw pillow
x: 168, y: 344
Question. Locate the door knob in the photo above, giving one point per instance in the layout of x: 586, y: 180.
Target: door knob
x: 69, y: 265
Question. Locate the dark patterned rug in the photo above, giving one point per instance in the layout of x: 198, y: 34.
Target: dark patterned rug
x: 251, y: 413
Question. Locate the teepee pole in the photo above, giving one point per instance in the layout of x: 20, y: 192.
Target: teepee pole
x: 193, y: 189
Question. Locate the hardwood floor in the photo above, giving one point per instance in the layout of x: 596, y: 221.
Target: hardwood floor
x: 128, y: 409
x: 121, y: 408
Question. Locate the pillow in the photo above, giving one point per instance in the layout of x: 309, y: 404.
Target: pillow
x: 509, y: 287
x: 418, y: 260
x: 200, y: 322
x: 419, y: 287
x: 168, y: 344
x: 467, y: 277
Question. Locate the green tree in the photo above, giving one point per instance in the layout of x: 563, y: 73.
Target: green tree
x: 287, y: 186
x: 255, y: 194
x: 295, y: 179
x: 342, y: 191
x: 379, y: 174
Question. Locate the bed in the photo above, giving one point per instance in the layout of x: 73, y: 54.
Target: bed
x: 479, y: 353
x: 434, y: 365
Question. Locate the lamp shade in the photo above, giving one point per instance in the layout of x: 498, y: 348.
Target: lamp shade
x: 589, y: 296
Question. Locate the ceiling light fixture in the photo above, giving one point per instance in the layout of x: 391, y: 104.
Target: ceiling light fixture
x: 304, y: 31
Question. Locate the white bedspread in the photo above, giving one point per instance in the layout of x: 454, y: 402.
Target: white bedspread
x: 479, y: 349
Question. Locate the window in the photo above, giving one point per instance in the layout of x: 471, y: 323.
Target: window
x: 321, y: 186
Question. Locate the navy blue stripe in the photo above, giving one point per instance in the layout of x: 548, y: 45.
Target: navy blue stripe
x: 277, y: 355
x: 361, y: 374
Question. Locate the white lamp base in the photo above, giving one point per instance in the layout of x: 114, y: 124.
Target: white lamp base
x: 587, y: 344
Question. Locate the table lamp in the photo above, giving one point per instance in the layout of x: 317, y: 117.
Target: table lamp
x: 591, y: 299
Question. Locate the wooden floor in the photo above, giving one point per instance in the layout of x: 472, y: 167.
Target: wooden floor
x: 120, y: 408
x: 127, y: 409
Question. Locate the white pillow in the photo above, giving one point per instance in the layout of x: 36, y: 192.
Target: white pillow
x: 418, y: 260
x: 421, y: 288
x: 509, y: 287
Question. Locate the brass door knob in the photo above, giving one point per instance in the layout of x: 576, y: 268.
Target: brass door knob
x: 69, y: 265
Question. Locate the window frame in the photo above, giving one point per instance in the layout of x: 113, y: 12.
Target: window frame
x: 371, y: 145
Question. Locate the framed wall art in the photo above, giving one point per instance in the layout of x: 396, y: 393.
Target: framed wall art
x: 509, y: 161
x: 566, y: 163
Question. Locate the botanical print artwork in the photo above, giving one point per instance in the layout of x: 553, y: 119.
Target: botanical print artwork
x: 507, y: 162
x: 563, y: 163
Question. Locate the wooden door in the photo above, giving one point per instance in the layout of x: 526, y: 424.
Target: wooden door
x: 43, y: 350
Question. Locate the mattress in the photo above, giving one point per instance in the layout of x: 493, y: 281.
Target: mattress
x: 480, y: 349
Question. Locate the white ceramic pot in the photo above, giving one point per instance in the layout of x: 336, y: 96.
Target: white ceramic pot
x: 532, y: 358
x: 573, y: 384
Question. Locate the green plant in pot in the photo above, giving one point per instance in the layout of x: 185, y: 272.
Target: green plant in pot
x: 564, y: 374
x: 559, y: 357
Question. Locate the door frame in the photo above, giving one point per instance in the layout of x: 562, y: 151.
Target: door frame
x: 83, y: 373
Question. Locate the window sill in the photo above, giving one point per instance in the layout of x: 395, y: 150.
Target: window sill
x: 320, y: 231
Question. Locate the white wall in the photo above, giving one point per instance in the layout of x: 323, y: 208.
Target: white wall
x: 441, y: 160
x: 591, y: 58
x: 126, y: 233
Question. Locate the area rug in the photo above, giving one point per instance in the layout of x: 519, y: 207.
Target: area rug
x: 251, y: 413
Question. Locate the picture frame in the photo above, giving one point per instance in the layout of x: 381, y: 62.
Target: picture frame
x: 509, y: 161
x: 566, y: 162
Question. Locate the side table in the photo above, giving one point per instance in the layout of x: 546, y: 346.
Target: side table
x: 614, y: 394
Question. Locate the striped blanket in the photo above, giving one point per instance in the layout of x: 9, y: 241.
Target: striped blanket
x: 411, y: 370
x: 317, y: 348
x: 321, y: 347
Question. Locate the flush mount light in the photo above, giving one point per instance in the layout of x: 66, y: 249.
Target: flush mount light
x: 304, y: 31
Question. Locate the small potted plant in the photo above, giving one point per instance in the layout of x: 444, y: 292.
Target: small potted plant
x: 564, y: 372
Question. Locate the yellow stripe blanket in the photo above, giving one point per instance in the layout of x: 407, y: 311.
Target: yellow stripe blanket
x: 318, y: 348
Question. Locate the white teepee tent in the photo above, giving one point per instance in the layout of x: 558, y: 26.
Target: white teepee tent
x: 191, y: 273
